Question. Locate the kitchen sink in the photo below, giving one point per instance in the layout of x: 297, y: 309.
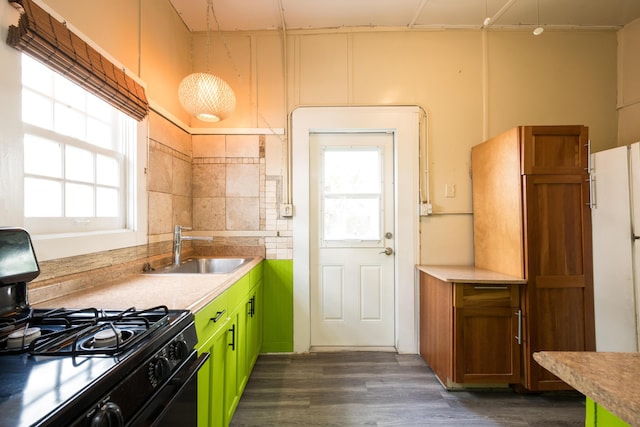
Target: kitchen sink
x: 204, y: 266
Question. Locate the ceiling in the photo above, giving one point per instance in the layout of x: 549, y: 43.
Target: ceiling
x: 238, y: 15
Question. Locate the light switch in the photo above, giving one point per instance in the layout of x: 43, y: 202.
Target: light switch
x: 450, y: 190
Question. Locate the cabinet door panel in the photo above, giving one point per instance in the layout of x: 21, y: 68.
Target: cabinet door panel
x: 559, y: 299
x: 554, y: 149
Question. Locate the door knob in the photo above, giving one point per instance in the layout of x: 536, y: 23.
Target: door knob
x: 387, y: 251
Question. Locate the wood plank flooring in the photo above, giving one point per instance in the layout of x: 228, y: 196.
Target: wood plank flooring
x: 385, y: 389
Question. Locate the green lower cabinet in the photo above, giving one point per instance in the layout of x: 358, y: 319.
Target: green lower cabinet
x: 233, y: 343
x: 211, y: 378
x: 598, y: 416
x: 232, y: 368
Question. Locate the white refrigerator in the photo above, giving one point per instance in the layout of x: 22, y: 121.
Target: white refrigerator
x: 616, y: 248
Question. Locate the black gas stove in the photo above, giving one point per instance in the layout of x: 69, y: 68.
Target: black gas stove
x: 89, y: 367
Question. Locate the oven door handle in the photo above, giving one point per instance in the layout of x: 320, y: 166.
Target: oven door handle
x: 182, y: 381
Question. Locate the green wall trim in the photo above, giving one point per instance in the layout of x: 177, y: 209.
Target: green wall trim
x: 278, y: 306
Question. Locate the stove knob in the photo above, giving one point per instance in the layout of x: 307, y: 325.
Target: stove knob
x: 159, y: 370
x: 179, y: 350
x: 108, y: 415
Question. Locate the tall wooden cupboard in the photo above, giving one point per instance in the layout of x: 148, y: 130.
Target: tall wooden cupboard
x: 532, y: 219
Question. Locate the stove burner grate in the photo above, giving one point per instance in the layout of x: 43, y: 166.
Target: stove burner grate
x: 80, y: 332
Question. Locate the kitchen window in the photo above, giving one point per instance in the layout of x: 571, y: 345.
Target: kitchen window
x: 79, y: 156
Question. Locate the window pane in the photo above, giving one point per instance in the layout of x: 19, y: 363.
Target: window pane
x: 37, y: 109
x: 69, y: 121
x: 42, y: 198
x: 108, y: 171
x: 98, y: 133
x: 78, y: 200
x: 79, y: 164
x: 69, y: 93
x: 351, y: 219
x: 96, y: 107
x: 36, y: 76
x: 42, y: 157
x: 355, y: 171
x: 107, y: 202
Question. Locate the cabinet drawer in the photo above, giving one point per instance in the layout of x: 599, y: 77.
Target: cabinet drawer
x: 490, y: 295
x: 212, y: 316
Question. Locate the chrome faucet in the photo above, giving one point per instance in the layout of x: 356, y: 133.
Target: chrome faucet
x: 177, y: 241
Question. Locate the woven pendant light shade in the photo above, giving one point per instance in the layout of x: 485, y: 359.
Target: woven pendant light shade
x: 207, y: 97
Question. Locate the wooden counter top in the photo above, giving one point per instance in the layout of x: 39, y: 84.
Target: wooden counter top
x: 609, y: 379
x: 176, y: 291
x: 468, y: 274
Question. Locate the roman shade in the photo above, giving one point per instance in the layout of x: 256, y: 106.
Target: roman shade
x: 41, y: 36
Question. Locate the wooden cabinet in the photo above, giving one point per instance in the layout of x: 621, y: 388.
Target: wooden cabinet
x: 488, y: 333
x: 469, y: 329
x: 229, y: 329
x: 532, y: 220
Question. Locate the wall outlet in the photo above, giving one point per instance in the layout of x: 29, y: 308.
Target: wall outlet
x: 286, y: 209
x: 426, y: 209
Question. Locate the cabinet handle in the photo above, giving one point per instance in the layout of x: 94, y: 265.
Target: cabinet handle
x: 251, y: 306
x: 233, y: 337
x: 519, y: 336
x: 490, y: 287
x: 218, y: 316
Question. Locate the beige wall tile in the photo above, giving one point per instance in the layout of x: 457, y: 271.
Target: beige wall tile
x: 182, y: 211
x: 160, y: 177
x: 208, y: 145
x: 243, y: 213
x: 160, y: 208
x: 243, y: 180
x: 243, y: 146
x: 209, y: 213
x: 209, y: 180
x: 181, y: 177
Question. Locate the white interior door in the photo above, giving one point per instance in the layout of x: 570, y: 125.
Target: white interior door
x: 352, y: 240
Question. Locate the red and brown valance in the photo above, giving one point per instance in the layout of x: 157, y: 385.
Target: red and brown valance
x: 46, y: 39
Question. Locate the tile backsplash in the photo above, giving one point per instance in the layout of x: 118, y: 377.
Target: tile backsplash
x: 217, y: 185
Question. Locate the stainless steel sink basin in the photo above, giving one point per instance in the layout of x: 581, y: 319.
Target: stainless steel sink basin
x: 204, y: 266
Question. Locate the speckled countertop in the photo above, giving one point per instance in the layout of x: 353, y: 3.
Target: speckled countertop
x: 468, y: 274
x: 609, y: 379
x: 176, y: 291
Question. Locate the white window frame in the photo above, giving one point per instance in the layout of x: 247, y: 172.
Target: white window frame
x: 53, y: 244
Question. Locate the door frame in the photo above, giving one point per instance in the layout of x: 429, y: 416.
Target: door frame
x: 404, y: 123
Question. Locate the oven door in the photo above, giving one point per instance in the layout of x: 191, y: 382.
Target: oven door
x: 175, y: 403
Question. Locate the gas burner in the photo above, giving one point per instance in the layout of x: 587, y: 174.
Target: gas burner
x: 107, y: 338
x: 22, y: 337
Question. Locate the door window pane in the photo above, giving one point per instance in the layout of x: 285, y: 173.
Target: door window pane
x: 352, y: 219
x: 351, y: 194
x: 352, y: 171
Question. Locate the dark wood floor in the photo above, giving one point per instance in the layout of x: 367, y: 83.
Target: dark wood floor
x: 371, y: 388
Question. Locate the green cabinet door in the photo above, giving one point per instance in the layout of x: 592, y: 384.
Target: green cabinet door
x: 231, y: 385
x: 211, y: 378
